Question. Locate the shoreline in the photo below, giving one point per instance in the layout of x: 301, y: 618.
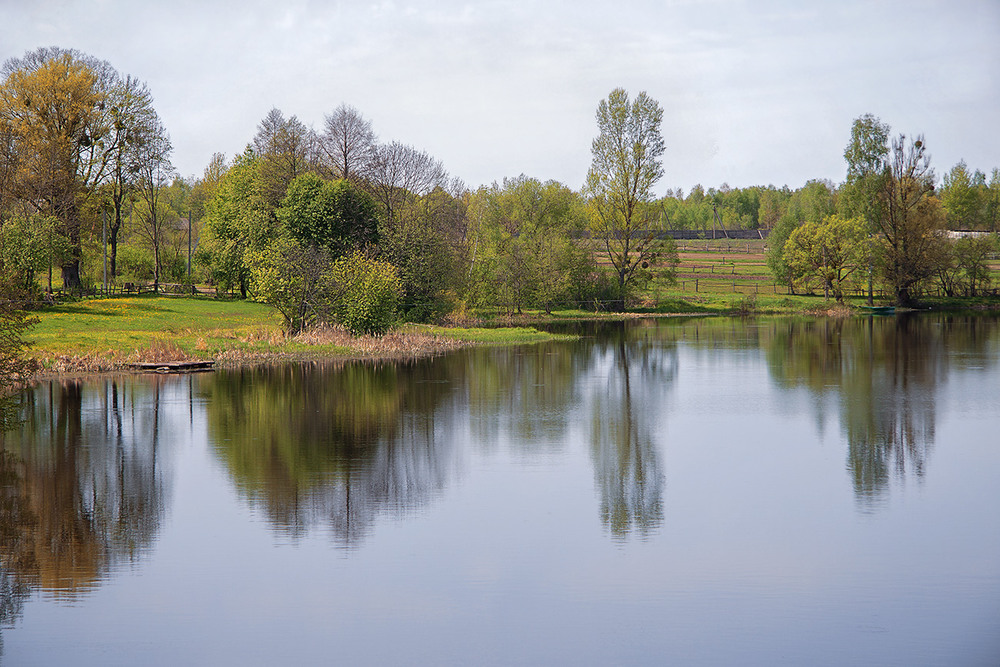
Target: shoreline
x: 410, y: 342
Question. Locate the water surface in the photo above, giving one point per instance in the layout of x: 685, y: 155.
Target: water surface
x: 707, y: 491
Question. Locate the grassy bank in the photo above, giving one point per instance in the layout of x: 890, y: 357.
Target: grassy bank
x: 108, y: 334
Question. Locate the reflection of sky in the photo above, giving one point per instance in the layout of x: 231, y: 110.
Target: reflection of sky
x: 762, y: 556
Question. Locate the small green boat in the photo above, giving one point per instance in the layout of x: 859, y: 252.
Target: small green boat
x: 880, y: 310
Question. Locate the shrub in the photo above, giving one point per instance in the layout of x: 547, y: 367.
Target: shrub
x: 367, y: 294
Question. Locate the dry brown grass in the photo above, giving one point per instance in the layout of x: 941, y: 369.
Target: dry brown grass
x: 833, y: 309
x: 158, y: 351
x: 393, y: 345
x: 268, y: 335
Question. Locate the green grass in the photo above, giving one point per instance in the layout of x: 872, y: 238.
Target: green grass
x: 112, y: 331
x: 497, y: 336
x: 119, y: 327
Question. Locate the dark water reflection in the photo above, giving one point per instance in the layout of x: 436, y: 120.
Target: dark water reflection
x: 338, y: 446
x: 654, y: 413
x: 84, y: 486
x: 885, y: 374
x: 334, y: 446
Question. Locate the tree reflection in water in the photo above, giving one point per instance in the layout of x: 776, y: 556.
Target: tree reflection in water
x: 82, y: 486
x: 334, y: 445
x: 337, y: 445
x: 627, y: 466
x: 885, y: 372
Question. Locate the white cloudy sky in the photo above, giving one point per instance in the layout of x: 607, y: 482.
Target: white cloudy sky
x: 753, y: 92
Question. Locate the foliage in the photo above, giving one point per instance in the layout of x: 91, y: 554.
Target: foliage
x: 27, y: 244
x: 625, y: 165
x: 335, y: 216
x: 811, y: 203
x: 367, y: 294
x: 15, y: 366
x: 135, y: 263
x: 428, y: 251
x: 964, y: 197
x: 51, y: 103
x: 294, y: 279
x: 238, y: 222
x: 865, y: 155
x: 911, y: 219
x: 525, y: 254
x: 830, y: 251
x: 964, y: 269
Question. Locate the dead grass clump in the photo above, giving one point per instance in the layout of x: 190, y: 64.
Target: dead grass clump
x: 78, y: 364
x: 263, y: 335
x: 392, y: 344
x: 461, y: 318
x: 159, y: 350
x: 832, y: 310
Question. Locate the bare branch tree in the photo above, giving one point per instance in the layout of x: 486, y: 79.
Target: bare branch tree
x: 284, y: 147
x: 398, y: 170
x: 347, y: 142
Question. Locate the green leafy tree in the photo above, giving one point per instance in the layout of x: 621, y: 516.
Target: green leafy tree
x: 238, y: 221
x: 427, y: 247
x: 294, y: 279
x: 866, y: 173
x: 625, y: 165
x: 910, y: 220
x: 964, y: 199
x: 811, y: 203
x: 992, y: 214
x: 972, y: 259
x: 27, y: 245
x: 334, y: 215
x: 830, y: 251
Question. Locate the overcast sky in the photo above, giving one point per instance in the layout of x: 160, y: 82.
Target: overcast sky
x: 753, y: 92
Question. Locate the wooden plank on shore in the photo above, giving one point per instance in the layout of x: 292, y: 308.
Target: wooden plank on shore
x: 174, y: 366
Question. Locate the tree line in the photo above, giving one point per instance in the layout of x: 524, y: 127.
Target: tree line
x: 335, y: 225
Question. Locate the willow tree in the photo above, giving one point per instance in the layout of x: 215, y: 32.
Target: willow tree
x: 626, y: 164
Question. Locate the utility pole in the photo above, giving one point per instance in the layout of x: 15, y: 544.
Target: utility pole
x: 104, y: 242
x: 189, y: 246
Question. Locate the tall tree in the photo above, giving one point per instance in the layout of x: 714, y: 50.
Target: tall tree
x: 347, y: 142
x: 283, y: 146
x: 238, y: 222
x: 53, y: 105
x: 866, y: 172
x: 133, y: 126
x: 910, y: 218
x: 397, y: 171
x: 626, y: 164
x: 333, y: 215
x: 963, y: 198
x: 830, y: 250
x: 155, y: 172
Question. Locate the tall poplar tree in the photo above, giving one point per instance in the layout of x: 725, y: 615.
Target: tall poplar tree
x: 626, y: 164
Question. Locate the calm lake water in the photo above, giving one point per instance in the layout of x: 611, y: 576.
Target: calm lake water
x: 700, y: 491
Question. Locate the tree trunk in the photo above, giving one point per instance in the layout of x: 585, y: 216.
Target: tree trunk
x: 71, y: 275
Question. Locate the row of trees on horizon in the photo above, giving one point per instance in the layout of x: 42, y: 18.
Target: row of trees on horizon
x: 316, y: 221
